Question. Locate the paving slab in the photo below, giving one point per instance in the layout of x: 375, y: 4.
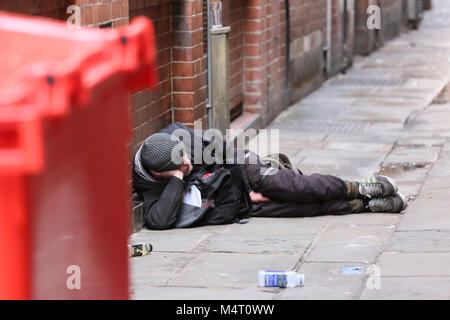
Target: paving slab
x: 156, y: 269
x: 293, y: 135
x: 411, y: 188
x: 351, y: 171
x: 420, y: 141
x: 418, y: 92
x: 437, y: 179
x: 403, y: 154
x: 349, y: 243
x: 325, y: 281
x: 445, y: 153
x: 423, y: 216
x: 372, y: 115
x: 378, y: 139
x: 267, y: 243
x: 164, y: 241
x: 385, y: 129
x: 359, y: 146
x: 419, y: 241
x: 393, y: 102
x: 446, y: 147
x: 431, y: 121
x: 287, y: 144
x: 410, y: 288
x: 414, y: 264
x: 438, y: 108
x: 440, y: 170
x: 294, y: 115
x: 281, y: 226
x: 346, y: 164
x: 388, y: 220
x: 206, y: 293
x: 230, y: 270
x: 406, y: 173
x: 438, y: 194
x: 426, y: 133
x: 340, y: 158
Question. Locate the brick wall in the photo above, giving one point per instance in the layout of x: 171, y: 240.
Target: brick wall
x: 265, y: 49
x: 104, y: 13
x: 308, y: 38
x: 234, y: 16
x: 392, y: 20
x: 337, y: 35
x: 55, y: 9
x: 264, y: 57
x: 189, y: 62
x: 181, y: 92
x: 152, y: 108
x: 365, y: 39
x: 257, y: 50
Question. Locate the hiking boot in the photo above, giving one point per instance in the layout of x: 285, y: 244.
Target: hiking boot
x: 393, y: 204
x: 377, y: 187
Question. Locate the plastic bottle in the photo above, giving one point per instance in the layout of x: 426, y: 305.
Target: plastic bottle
x: 281, y: 279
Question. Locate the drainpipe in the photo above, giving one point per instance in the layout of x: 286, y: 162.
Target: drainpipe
x: 287, y: 88
x: 208, y: 104
x: 344, y: 38
x: 329, y: 17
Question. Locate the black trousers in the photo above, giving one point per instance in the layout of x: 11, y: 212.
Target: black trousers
x: 294, y: 194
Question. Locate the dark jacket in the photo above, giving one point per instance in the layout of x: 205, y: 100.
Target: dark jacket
x: 224, y: 190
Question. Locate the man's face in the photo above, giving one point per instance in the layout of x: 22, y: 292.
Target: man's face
x: 185, y: 167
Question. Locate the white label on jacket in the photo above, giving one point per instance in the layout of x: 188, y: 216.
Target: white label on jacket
x: 193, y: 197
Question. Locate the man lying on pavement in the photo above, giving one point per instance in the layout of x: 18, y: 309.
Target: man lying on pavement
x: 178, y: 194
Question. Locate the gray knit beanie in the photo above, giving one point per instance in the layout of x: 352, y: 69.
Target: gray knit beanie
x: 161, y: 152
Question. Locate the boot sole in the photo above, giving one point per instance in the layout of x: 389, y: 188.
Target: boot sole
x: 404, y: 199
x: 393, y: 183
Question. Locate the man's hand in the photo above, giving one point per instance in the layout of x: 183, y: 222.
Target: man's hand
x: 176, y: 173
x: 258, y: 197
x: 184, y: 169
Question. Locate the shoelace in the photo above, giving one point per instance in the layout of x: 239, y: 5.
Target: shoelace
x: 372, y: 189
x: 381, y: 204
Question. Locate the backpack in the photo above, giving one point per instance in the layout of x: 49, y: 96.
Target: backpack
x: 281, y: 161
x: 224, y: 195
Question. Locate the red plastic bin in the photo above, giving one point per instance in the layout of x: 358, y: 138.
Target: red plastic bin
x: 64, y: 136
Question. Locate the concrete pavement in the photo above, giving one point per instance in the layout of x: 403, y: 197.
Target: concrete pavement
x: 388, y: 114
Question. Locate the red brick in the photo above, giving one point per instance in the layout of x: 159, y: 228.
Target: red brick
x: 184, y: 100
x: 183, y: 69
x: 187, y: 84
x: 102, y: 13
x: 254, y: 13
x: 120, y: 9
x: 184, y: 115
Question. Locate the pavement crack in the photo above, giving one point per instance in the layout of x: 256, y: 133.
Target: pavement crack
x: 313, y: 242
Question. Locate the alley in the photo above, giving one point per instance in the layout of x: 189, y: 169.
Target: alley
x: 388, y: 114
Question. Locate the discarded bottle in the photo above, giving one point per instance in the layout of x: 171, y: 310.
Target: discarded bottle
x: 281, y: 279
x: 139, y: 249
